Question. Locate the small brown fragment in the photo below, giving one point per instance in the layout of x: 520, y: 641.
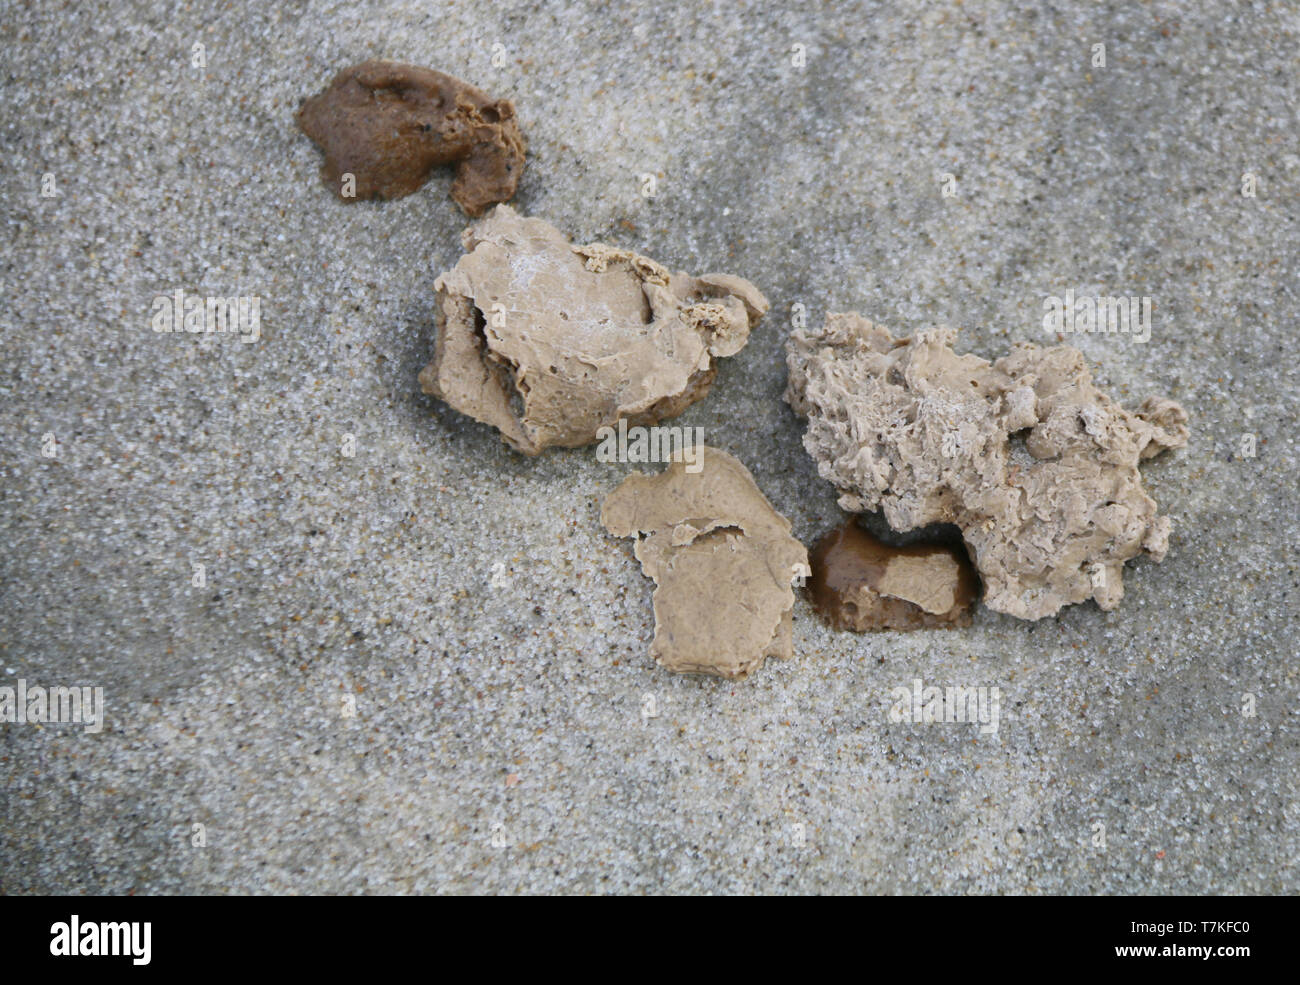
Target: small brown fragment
x: 722, y: 559
x: 862, y: 584
x: 389, y: 125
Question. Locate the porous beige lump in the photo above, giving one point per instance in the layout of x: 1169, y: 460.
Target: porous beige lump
x: 1036, y: 465
x: 722, y: 559
x: 549, y: 342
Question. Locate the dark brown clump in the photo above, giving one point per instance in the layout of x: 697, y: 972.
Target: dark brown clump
x: 389, y: 125
x: 859, y: 583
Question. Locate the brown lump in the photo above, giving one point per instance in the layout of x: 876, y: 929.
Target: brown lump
x: 859, y: 583
x: 389, y: 125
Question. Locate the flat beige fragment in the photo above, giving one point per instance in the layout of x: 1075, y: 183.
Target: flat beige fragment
x: 723, y: 562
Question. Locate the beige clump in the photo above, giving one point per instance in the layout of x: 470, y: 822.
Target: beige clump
x: 1037, y: 466
x: 549, y: 342
x: 722, y: 559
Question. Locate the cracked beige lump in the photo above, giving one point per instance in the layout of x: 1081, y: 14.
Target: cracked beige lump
x: 549, y: 342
